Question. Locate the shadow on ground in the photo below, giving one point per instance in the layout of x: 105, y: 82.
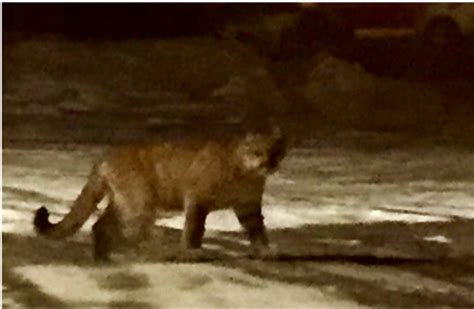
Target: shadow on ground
x: 381, y: 264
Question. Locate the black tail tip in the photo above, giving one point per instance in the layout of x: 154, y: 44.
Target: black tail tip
x: 41, y: 221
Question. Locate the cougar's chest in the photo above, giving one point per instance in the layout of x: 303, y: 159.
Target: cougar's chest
x: 239, y: 191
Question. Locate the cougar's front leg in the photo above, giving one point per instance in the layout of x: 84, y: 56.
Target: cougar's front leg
x: 251, y: 218
x: 194, y: 225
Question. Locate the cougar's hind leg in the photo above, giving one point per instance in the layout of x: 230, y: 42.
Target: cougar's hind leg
x: 106, y: 234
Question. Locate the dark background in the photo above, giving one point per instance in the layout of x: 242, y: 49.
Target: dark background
x: 289, y: 57
x: 125, y: 20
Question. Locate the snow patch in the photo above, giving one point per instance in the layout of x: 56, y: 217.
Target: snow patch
x: 438, y: 238
x: 344, y: 242
x: 380, y: 215
x: 173, y: 285
x: 289, y: 216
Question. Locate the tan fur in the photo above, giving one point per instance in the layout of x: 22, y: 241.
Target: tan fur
x: 143, y: 182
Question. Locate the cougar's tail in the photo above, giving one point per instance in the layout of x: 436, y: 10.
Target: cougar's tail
x: 84, y: 205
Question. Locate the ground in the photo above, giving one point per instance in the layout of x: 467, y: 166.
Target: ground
x: 359, y: 220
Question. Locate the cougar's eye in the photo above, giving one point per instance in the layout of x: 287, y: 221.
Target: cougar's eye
x: 259, y: 153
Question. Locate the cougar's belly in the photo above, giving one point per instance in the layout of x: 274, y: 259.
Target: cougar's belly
x: 239, y: 193
x: 167, y: 198
x: 167, y: 195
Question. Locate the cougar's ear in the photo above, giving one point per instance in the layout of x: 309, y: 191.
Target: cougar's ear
x: 279, y: 148
x: 249, y: 138
x: 276, y: 132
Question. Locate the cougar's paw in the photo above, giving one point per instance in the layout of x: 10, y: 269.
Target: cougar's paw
x: 194, y: 256
x: 269, y: 252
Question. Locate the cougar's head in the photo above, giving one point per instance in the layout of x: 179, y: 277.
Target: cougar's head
x: 260, y: 153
